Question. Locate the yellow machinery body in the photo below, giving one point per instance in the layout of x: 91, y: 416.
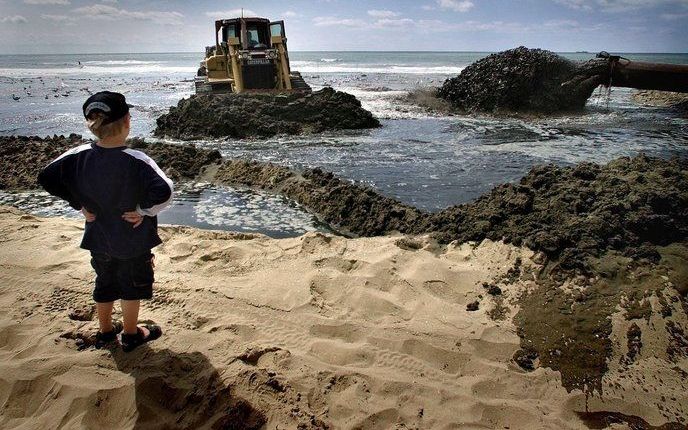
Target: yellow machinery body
x: 250, y: 54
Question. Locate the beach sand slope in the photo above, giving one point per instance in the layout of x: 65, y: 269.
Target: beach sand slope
x: 312, y: 332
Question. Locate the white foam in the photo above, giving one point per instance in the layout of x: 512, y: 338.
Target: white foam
x: 386, y: 105
x: 251, y: 211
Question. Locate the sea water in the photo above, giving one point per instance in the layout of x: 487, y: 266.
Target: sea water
x: 425, y: 160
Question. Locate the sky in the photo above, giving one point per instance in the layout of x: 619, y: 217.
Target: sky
x: 107, y: 26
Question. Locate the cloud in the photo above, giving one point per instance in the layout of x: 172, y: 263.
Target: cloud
x: 505, y: 27
x: 44, y: 2
x: 290, y: 14
x: 382, y: 13
x: 439, y: 26
x: 57, y: 18
x: 575, y: 4
x: 327, y: 21
x: 674, y: 16
x: 99, y: 11
x: 456, y: 5
x: 111, y: 13
x: 16, y: 19
x: 232, y: 13
x: 401, y: 22
x: 624, y: 5
x: 560, y: 25
x: 618, y: 5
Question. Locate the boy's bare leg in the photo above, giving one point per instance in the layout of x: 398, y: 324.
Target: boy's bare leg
x: 105, y: 316
x: 130, y: 315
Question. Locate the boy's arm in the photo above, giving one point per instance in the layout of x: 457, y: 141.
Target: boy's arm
x: 158, y: 188
x: 53, y: 179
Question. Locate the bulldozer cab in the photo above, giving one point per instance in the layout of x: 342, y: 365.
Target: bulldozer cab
x: 249, y: 54
x: 253, y: 33
x: 277, y: 30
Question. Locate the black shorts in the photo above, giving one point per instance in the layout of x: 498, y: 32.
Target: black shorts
x: 126, y: 279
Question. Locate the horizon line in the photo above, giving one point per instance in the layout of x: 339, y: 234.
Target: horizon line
x: 348, y: 51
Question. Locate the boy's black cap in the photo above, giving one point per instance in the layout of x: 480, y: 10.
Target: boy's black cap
x: 113, y: 105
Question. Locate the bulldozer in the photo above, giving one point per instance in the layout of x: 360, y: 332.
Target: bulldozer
x: 250, y: 55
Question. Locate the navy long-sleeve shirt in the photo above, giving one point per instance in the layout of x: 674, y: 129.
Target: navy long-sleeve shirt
x: 109, y: 182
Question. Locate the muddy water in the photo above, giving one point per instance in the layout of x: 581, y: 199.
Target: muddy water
x: 423, y: 160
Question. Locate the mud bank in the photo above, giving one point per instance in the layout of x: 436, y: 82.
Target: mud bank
x: 22, y: 157
x: 523, y: 80
x: 630, y: 205
x: 349, y: 208
x: 263, y: 115
x: 667, y: 99
x: 178, y: 161
x: 624, y: 306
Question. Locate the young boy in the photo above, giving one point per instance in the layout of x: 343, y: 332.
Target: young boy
x: 120, y: 191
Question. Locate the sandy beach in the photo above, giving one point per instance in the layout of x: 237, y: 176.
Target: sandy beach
x: 313, y: 332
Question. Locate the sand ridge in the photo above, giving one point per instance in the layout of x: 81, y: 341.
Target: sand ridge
x: 312, y: 332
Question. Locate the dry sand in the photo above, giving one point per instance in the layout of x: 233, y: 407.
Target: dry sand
x: 312, y: 332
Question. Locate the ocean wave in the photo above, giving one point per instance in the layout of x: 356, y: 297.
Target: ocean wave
x: 311, y: 67
x: 97, y: 70
x: 331, y: 60
x: 303, y: 67
x: 118, y: 62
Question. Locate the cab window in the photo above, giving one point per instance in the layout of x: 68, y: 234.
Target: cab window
x: 276, y: 29
x: 229, y: 31
x: 255, y: 38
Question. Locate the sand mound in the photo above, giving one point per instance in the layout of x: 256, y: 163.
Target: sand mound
x: 22, y: 157
x: 313, y: 332
x: 263, y: 115
x: 524, y: 80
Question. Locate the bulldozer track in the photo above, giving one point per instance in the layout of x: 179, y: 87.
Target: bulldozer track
x: 298, y: 83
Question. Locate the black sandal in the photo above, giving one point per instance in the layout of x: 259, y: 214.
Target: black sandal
x: 131, y: 341
x: 102, y: 339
